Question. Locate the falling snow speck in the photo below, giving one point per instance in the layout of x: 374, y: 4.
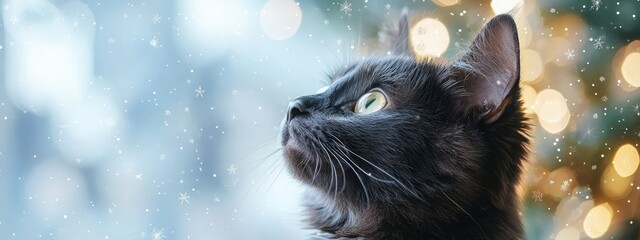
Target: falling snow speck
x: 156, y: 18
x: 537, y: 196
x: 595, y: 4
x: 200, y: 92
x: 598, y: 42
x: 570, y: 54
x: 232, y: 169
x: 154, y: 41
x: 565, y: 186
x: 345, y: 7
x: 157, y: 234
x: 184, y: 198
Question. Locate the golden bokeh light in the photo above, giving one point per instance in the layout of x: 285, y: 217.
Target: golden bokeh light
x: 528, y: 97
x: 532, y: 65
x: 550, y: 105
x: 616, y: 66
x: 555, y: 127
x: 503, y: 6
x: 631, y: 70
x: 568, y: 233
x: 597, y: 221
x: 280, y: 19
x: 551, y: 108
x: 445, y: 3
x: 429, y: 38
x: 613, y: 185
x: 626, y: 160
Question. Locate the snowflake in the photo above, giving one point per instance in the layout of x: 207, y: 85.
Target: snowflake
x: 200, y: 92
x: 565, y: 186
x: 636, y: 108
x: 167, y: 113
x: 594, y: 167
x: 345, y: 7
x: 163, y: 157
x: 184, y: 198
x: 232, y: 169
x: 387, y: 6
x: 570, y: 54
x: 537, y: 196
x: 111, y: 41
x: 598, y: 42
x: 602, y: 79
x: 595, y: 4
x: 154, y: 41
x: 604, y: 98
x: 157, y: 234
x: 156, y: 18
x: 326, y: 22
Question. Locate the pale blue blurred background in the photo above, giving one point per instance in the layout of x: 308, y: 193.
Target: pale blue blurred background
x: 151, y: 119
x: 158, y: 119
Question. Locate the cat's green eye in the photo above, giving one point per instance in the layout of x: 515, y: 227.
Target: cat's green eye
x: 370, y: 102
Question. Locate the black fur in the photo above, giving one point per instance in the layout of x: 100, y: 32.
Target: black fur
x: 440, y: 161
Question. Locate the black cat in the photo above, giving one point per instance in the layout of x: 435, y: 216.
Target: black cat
x: 400, y: 148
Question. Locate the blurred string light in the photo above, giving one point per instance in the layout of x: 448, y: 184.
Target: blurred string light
x: 280, y: 19
x: 597, y: 221
x: 504, y: 6
x: 613, y: 185
x: 623, y: 66
x: 626, y: 160
x: 445, y: 3
x: 617, y: 178
x: 429, y: 38
x: 631, y: 69
x: 551, y: 108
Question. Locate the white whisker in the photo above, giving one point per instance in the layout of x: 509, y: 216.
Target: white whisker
x: 395, y: 180
x: 364, y: 187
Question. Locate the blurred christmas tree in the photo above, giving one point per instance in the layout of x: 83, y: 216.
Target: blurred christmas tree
x: 580, y: 79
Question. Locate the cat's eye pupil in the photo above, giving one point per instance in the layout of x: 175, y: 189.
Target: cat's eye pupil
x: 370, y: 102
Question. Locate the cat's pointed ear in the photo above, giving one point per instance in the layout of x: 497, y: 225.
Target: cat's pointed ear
x: 490, y: 70
x: 403, y: 46
x: 395, y: 39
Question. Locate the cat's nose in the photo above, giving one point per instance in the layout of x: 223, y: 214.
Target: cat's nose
x: 296, y: 108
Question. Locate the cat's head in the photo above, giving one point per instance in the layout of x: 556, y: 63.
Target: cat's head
x: 397, y: 130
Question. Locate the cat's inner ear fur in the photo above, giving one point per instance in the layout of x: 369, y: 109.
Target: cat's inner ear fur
x: 490, y: 70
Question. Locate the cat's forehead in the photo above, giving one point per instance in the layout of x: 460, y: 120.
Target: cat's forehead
x: 383, y: 69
